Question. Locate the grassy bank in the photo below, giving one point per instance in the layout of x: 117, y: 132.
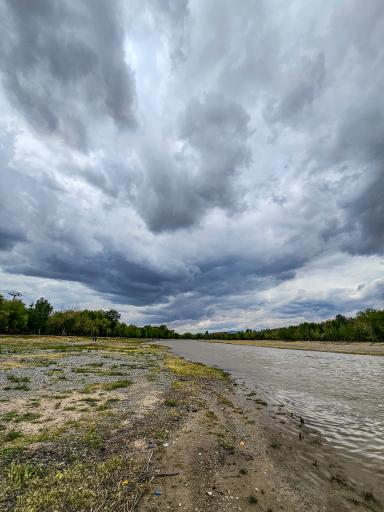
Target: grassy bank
x: 358, y: 348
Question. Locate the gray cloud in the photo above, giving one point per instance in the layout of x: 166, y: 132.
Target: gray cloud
x: 63, y: 66
x: 198, y: 176
x: 257, y: 155
x: 8, y: 238
x: 303, y: 84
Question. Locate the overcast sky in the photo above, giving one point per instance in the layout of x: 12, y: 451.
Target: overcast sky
x: 205, y: 164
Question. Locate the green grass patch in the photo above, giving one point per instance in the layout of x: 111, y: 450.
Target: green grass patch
x: 18, y: 387
x: 12, y: 435
x: 20, y: 417
x: 170, y: 402
x: 178, y: 385
x: 89, y: 388
x: 19, y: 475
x: 80, y: 487
x: 180, y: 366
x: 16, y: 379
x: 123, y: 383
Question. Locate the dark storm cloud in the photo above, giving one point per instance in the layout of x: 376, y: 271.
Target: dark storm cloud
x: 9, y: 238
x: 366, y: 217
x: 200, y: 175
x: 63, y: 66
x: 360, y: 145
x: 110, y: 273
x: 260, y: 150
x: 122, y: 279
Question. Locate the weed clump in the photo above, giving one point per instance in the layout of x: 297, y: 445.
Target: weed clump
x: 18, y: 387
x: 20, y: 474
x: 20, y: 417
x: 170, y: 402
x: 12, y: 435
x: 17, y: 380
x: 123, y: 383
x: 252, y: 499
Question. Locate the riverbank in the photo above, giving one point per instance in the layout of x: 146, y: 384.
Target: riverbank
x: 357, y: 348
x: 123, y: 425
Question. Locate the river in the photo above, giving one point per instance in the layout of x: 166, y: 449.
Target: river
x: 340, y: 395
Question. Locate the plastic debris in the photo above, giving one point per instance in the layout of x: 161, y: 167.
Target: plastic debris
x: 157, y: 493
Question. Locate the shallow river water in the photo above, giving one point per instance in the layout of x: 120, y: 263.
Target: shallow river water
x: 340, y: 395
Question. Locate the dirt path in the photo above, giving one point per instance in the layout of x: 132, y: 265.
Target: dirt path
x: 225, y: 460
x: 221, y: 466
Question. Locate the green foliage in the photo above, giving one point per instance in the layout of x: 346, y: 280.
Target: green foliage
x: 20, y: 474
x: 12, y: 435
x: 368, y: 325
x: 124, y: 383
x: 80, y: 486
x: 19, y: 417
x: 15, y: 318
x: 16, y: 379
x: 181, y: 367
x: 170, y: 402
x: 40, y: 318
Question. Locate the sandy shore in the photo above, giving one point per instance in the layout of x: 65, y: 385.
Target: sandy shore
x: 358, y: 348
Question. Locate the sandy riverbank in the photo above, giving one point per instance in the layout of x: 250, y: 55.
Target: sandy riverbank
x: 358, y: 348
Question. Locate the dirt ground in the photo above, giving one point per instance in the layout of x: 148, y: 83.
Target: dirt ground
x: 123, y: 425
x: 228, y: 457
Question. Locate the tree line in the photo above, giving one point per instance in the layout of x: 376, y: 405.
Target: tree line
x: 367, y: 325
x: 40, y: 318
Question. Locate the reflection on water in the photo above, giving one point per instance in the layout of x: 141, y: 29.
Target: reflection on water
x: 339, y: 394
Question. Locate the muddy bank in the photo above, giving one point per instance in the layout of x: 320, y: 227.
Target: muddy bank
x: 231, y: 454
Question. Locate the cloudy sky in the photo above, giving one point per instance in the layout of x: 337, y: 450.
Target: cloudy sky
x: 206, y: 164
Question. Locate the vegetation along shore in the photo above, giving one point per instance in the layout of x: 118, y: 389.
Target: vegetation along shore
x: 40, y: 318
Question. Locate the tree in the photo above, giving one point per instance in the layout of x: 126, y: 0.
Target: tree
x: 38, y: 316
x: 17, y: 316
x: 113, y: 317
